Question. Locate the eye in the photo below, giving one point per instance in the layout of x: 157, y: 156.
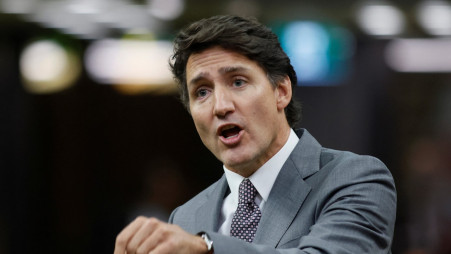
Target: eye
x: 202, y: 92
x: 238, y: 82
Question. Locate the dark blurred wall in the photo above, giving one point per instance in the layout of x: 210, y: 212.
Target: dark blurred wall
x: 74, y: 165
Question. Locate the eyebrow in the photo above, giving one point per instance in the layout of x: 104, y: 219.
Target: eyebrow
x: 231, y: 69
x: 199, y: 77
x: 223, y: 70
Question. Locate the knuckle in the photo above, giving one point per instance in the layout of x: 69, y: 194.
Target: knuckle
x: 120, y: 240
x: 163, y: 231
x: 131, y: 248
x: 158, y: 232
x: 152, y: 221
x: 140, y: 218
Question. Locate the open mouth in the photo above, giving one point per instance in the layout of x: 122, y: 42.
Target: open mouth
x: 230, y: 131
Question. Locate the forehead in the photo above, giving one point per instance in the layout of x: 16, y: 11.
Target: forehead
x: 216, y: 60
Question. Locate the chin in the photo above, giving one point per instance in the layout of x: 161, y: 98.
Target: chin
x: 237, y: 165
x: 233, y: 164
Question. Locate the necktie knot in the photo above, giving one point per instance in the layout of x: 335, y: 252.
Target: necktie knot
x: 247, y: 192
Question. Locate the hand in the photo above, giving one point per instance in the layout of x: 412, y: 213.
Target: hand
x: 149, y: 235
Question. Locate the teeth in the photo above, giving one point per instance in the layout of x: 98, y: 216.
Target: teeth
x: 232, y: 136
x: 228, y: 127
x: 229, y: 131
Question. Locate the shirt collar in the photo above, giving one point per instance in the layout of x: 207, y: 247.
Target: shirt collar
x: 263, y: 179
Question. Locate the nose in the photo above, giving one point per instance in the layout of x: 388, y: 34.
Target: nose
x: 223, y: 103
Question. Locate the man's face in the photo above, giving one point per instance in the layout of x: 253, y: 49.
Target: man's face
x: 238, y: 113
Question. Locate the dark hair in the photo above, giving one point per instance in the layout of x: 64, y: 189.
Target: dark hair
x: 244, y: 36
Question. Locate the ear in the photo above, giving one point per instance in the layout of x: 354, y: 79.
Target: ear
x: 283, y: 93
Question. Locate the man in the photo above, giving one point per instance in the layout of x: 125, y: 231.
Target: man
x: 281, y: 192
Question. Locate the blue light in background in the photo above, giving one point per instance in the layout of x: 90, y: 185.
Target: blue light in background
x: 319, y: 53
x: 306, y: 43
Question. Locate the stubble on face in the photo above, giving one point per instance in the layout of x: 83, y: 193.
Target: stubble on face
x: 235, y: 108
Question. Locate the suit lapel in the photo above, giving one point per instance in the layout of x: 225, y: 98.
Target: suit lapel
x: 289, y: 191
x: 207, y: 216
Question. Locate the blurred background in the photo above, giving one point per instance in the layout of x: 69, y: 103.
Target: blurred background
x: 92, y: 133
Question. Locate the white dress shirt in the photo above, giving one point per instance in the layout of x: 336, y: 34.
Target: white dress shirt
x: 263, y: 179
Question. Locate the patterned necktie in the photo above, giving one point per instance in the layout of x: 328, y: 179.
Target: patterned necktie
x: 247, y: 215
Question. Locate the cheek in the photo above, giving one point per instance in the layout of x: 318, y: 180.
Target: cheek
x: 201, y: 124
x: 263, y: 108
x: 201, y: 115
x: 263, y: 116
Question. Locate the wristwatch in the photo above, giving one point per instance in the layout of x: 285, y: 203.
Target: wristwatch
x: 207, y: 241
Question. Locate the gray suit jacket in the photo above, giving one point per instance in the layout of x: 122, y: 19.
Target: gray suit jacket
x: 323, y: 201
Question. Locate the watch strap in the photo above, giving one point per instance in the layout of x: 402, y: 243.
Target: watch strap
x: 207, y: 241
